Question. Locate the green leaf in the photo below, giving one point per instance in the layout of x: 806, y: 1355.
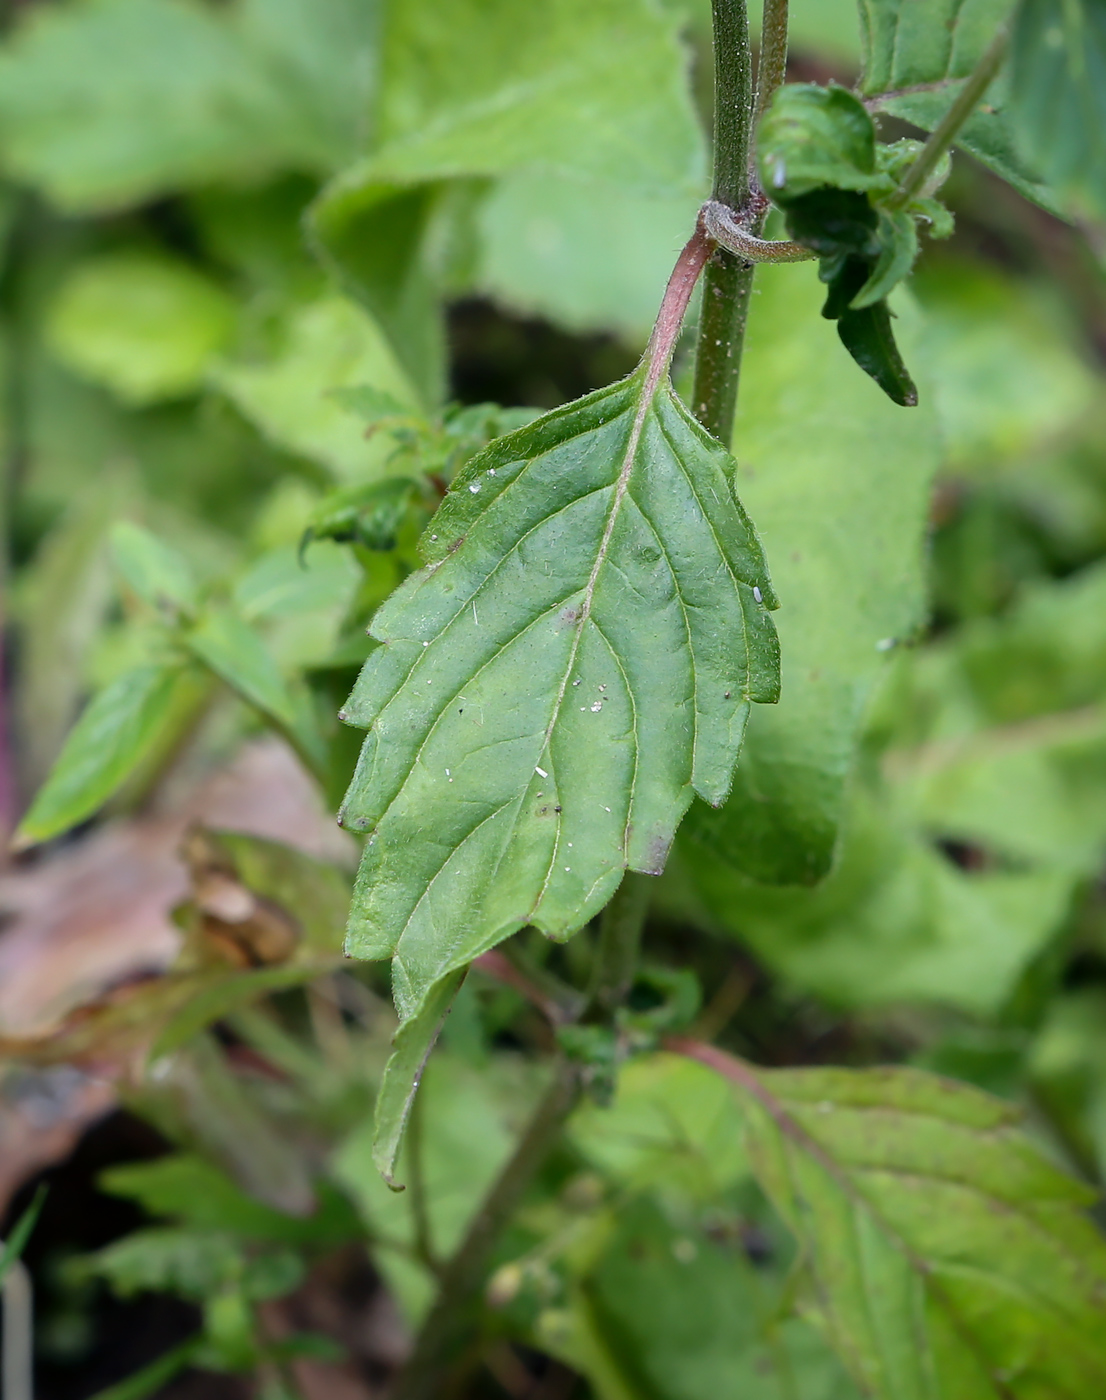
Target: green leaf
x: 411, y: 1049
x: 895, y: 923
x: 865, y: 329
x: 915, y: 58
x: 236, y: 653
x: 372, y: 235
x: 812, y: 136
x: 61, y: 607
x: 579, y: 253
x: 577, y: 659
x: 818, y: 157
x: 373, y: 405
x: 120, y: 727
x: 368, y: 515
x: 194, y: 1191
x: 21, y: 1231
x: 193, y: 1263
x: 286, y: 583
x: 898, y: 239
x: 906, y: 44
x: 145, y: 326
x: 596, y: 88
x: 945, y: 1255
x: 324, y: 345
x: 112, y: 102
x: 1058, y: 98
x: 108, y: 102
x: 838, y: 480
x: 567, y: 89
x: 986, y: 134
x: 672, y: 1124
x: 1007, y: 379
x: 673, y: 1312
x: 158, y: 574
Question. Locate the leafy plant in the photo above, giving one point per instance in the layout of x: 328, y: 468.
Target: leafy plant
x: 585, y: 725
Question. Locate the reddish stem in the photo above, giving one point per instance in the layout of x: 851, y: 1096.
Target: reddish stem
x: 670, y: 317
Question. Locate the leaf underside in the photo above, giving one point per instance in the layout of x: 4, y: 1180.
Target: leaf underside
x: 577, y: 659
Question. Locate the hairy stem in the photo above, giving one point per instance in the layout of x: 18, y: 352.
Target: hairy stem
x: 772, y: 65
x: 728, y: 283
x: 942, y: 136
x: 733, y: 102
x: 721, y: 223
x: 449, y: 1324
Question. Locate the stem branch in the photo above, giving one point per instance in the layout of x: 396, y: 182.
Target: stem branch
x: 772, y: 65
x: 942, y: 136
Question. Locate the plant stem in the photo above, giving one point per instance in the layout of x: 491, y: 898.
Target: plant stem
x: 558, y: 1001
x: 619, y: 946
x: 450, y: 1321
x: 942, y: 136
x: 728, y: 284
x: 772, y: 64
x: 729, y: 279
x: 733, y: 102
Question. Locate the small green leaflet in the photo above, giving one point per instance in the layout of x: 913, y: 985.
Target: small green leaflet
x: 945, y: 1255
x: 21, y: 1232
x: 574, y: 663
x: 155, y: 572
x: 119, y: 729
x: 237, y: 654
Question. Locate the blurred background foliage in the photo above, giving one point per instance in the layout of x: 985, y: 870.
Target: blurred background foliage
x: 218, y: 452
